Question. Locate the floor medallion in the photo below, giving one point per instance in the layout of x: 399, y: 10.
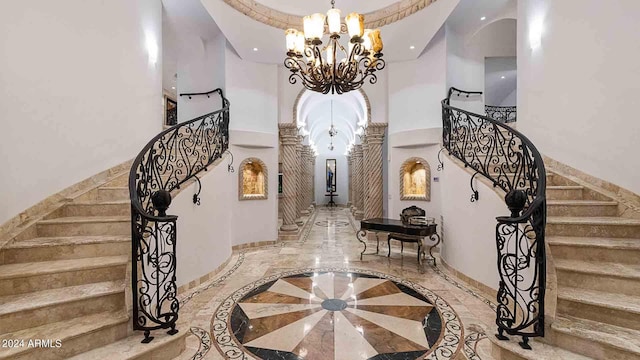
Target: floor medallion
x: 335, y: 313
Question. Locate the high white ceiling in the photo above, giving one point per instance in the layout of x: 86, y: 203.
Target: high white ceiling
x: 306, y: 7
x: 245, y: 34
x: 467, y: 17
x: 314, y: 116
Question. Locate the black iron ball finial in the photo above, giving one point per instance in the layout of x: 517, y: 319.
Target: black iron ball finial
x: 515, y: 199
x: 161, y: 200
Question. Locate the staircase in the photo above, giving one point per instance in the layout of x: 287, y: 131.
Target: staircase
x: 64, y: 279
x: 597, y: 261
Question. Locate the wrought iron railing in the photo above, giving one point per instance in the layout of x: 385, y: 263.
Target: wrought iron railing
x: 511, y: 162
x: 167, y: 161
x: 505, y: 114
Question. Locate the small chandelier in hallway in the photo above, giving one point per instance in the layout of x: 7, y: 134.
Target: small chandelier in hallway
x: 341, y: 70
x: 332, y: 130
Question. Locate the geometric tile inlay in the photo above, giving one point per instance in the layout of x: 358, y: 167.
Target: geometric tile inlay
x: 334, y: 313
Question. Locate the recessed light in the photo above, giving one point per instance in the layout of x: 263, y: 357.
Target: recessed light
x: 502, y: 77
x: 173, y: 87
x: 255, y: 49
x: 483, y: 18
x: 412, y: 47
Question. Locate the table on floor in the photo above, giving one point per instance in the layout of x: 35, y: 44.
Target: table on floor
x: 378, y: 225
x: 331, y: 195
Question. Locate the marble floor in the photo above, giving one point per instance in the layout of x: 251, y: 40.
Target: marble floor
x: 315, y: 299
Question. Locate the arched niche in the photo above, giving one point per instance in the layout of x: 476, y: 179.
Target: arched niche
x: 253, y: 180
x: 415, y: 179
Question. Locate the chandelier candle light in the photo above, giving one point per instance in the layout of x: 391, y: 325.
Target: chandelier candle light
x: 332, y: 130
x: 341, y: 70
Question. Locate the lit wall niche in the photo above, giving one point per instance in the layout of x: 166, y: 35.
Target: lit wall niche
x: 415, y: 179
x: 252, y: 182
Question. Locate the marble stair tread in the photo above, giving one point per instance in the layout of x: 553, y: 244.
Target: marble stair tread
x: 50, y: 267
x: 39, y: 299
x: 607, y: 243
x: 582, y: 202
x: 615, y: 336
x: 131, y: 348
x: 565, y: 187
x: 540, y: 350
x: 101, y: 202
x: 622, y: 302
x: 85, y: 219
x: 601, y: 268
x: 593, y: 220
x: 67, y: 240
x: 63, y: 330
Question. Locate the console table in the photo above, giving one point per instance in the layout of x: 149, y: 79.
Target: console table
x: 331, y: 195
x: 378, y: 225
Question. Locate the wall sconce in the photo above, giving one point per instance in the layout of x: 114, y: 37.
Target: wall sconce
x: 535, y: 33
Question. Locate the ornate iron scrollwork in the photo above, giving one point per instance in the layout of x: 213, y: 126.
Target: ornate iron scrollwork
x: 440, y: 163
x: 505, y: 114
x: 230, y: 164
x: 196, y: 196
x: 167, y: 161
x: 474, y: 192
x: 509, y: 159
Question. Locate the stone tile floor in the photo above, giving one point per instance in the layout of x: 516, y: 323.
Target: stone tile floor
x: 328, y: 241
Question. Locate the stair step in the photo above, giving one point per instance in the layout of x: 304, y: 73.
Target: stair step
x: 615, y: 309
x: 66, y: 247
x: 113, y: 193
x: 564, y: 192
x: 511, y: 350
x: 92, y: 208
x: 609, y: 277
x: 36, y: 276
x: 595, y: 339
x: 23, y: 311
x: 606, y: 226
x: 121, y: 180
x: 76, y: 335
x: 162, y: 347
x: 554, y: 179
x: 85, y: 225
x: 599, y: 249
x: 581, y: 208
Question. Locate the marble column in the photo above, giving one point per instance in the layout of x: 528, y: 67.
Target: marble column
x: 288, y: 141
x: 306, y: 155
x: 313, y: 180
x: 300, y: 186
x: 365, y: 174
x: 349, y: 179
x: 359, y: 182
x: 373, y: 163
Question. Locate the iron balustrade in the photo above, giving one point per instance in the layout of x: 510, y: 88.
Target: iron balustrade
x: 511, y: 162
x: 505, y: 114
x: 169, y: 160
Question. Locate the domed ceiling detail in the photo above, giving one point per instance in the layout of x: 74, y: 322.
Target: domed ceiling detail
x: 384, y: 16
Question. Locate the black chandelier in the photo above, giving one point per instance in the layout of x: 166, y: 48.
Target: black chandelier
x: 341, y: 70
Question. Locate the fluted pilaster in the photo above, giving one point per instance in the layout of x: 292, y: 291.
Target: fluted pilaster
x: 358, y: 201
x: 349, y: 179
x: 288, y: 141
x: 300, y: 186
x: 373, y: 204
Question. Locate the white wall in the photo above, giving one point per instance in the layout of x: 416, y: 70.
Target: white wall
x: 255, y: 220
x: 469, y: 243
x: 500, y: 80
x: 201, y: 68
x: 401, y: 151
x: 253, y: 89
x: 79, y: 94
x: 204, y: 234
x: 577, y: 91
x: 466, y: 55
x: 342, y: 179
x: 511, y: 99
x: 416, y: 88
